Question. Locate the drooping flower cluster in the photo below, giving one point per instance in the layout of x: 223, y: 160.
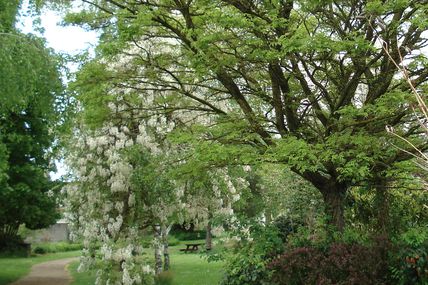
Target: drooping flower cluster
x: 109, y: 204
x: 211, y: 195
x: 102, y: 205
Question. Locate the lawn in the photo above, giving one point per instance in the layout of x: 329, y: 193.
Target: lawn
x: 190, y: 269
x: 187, y: 269
x: 12, y: 268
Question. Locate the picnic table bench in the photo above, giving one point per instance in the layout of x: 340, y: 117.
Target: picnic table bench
x: 191, y: 247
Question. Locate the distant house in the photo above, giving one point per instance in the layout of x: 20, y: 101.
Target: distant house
x: 57, y: 232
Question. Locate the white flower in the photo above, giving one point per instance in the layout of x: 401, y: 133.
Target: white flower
x: 112, y: 107
x: 106, y: 251
x: 147, y: 269
x: 113, y: 131
x: 129, y: 143
x: 126, y: 278
x: 118, y: 186
x: 131, y: 200
x: 119, y: 206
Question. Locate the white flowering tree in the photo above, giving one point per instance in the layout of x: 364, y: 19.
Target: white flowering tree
x: 116, y: 194
x: 121, y: 159
x: 102, y: 207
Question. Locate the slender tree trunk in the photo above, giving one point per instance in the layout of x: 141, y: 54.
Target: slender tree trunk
x: 334, y: 200
x: 166, y: 259
x: 209, y: 236
x: 158, y: 249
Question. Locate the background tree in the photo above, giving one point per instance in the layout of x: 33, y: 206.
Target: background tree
x: 31, y: 95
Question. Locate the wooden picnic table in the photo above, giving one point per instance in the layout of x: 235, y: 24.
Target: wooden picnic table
x: 191, y: 247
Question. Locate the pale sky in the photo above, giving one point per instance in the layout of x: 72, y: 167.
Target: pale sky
x: 70, y: 40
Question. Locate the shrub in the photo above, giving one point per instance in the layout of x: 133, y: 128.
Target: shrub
x: 53, y: 247
x: 248, y: 265
x: 411, y: 261
x: 14, y: 247
x: 246, y: 269
x: 172, y: 241
x: 340, y: 263
x: 193, y: 235
x: 286, y: 227
x: 39, y: 250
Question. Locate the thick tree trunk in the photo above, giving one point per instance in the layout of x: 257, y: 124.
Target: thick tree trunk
x: 158, y: 249
x: 382, y: 207
x: 334, y: 199
x: 333, y: 193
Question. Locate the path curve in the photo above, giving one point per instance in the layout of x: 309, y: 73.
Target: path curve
x: 48, y: 273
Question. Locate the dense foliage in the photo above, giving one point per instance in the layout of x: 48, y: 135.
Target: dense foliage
x: 214, y: 93
x: 30, y: 101
x: 339, y: 264
x: 295, y: 82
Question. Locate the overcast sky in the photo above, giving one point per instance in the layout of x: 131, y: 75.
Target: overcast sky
x: 67, y: 39
x: 71, y: 40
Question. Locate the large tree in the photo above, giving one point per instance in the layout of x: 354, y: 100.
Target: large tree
x: 30, y: 99
x: 307, y: 83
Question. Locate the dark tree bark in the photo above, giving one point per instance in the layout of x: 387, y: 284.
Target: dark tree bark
x: 382, y: 209
x: 334, y: 200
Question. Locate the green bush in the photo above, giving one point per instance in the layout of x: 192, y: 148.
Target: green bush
x: 54, y: 247
x: 147, y: 241
x: 172, y: 241
x: 194, y: 235
x: 286, y: 227
x: 247, y: 266
x: 14, y: 247
x: 411, y: 261
x: 39, y: 250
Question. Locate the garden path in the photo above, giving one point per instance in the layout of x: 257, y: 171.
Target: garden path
x: 48, y: 273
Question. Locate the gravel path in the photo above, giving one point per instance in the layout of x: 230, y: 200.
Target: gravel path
x: 48, y: 273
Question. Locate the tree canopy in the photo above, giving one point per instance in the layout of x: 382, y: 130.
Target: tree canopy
x: 31, y: 99
x: 306, y: 83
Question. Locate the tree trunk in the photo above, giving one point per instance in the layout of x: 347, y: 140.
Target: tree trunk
x: 158, y: 249
x: 209, y: 237
x: 333, y: 193
x: 334, y: 199
x: 166, y: 259
x: 382, y: 207
x: 8, y: 235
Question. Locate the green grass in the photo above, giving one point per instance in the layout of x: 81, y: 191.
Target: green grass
x: 85, y: 278
x: 13, y: 268
x: 191, y: 269
x: 187, y: 269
